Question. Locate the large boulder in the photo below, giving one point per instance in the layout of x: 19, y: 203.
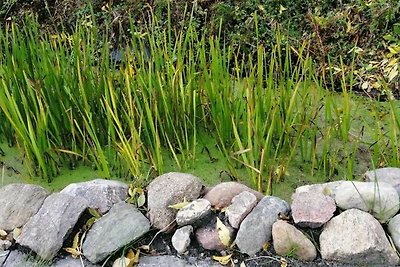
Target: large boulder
x: 121, y: 225
x: 46, y: 231
x: 356, y: 237
x: 388, y: 175
x: 101, y: 194
x: 394, y: 230
x: 327, y: 189
x: 381, y: 199
x: 312, y: 209
x: 18, y: 203
x: 287, y: 239
x: 256, y: 229
x: 221, y: 195
x: 169, y: 189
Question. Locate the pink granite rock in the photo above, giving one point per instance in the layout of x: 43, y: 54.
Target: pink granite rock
x: 312, y: 209
x: 220, y: 196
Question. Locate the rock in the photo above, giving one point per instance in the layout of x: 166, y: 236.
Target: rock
x: 312, y: 209
x: 71, y: 262
x: 288, y: 240
x: 166, y: 260
x: 181, y: 238
x: 256, y: 228
x: 356, y: 237
x: 169, y: 189
x: 380, y: 198
x: 387, y: 175
x: 101, y: 194
x: 46, y: 231
x: 120, y: 226
x: 18, y: 203
x: 241, y: 205
x: 220, y: 196
x: 193, y: 212
x: 327, y: 189
x: 18, y: 259
x: 394, y: 230
x: 5, y: 245
x: 208, y: 237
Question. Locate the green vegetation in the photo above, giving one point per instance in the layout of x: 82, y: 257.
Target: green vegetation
x: 180, y: 93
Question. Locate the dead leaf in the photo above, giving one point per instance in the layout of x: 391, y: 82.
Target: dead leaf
x: 283, y: 262
x: 133, y: 257
x: 3, y: 233
x: 242, y: 264
x: 180, y: 205
x: 121, y: 262
x: 223, y: 233
x: 141, y: 200
x: 16, y: 233
x: 75, y: 243
x: 224, y: 260
x: 266, y: 246
x: 75, y: 253
x: 94, y: 213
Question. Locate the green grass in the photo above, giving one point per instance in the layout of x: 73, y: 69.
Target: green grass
x: 177, y: 96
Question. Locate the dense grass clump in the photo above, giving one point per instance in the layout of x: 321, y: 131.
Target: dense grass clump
x: 69, y: 99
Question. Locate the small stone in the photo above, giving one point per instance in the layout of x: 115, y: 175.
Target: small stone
x: 166, y: 190
x: 379, y: 198
x: 18, y: 203
x: 394, y: 230
x: 387, y: 175
x: 256, y: 228
x: 312, y: 209
x: 193, y: 212
x: 101, y: 194
x: 181, y: 238
x: 356, y: 237
x: 220, y: 196
x: 288, y: 240
x: 46, y: 231
x: 123, y: 224
x: 241, y: 205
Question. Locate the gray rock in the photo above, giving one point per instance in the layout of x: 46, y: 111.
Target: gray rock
x: 181, y: 238
x: 256, y: 228
x: 19, y: 259
x: 194, y: 211
x: 288, y: 240
x: 327, y: 189
x: 379, y: 198
x: 356, y: 237
x: 101, y: 194
x: 394, y: 230
x: 4, y: 245
x: 387, y: 175
x: 121, y: 225
x: 241, y: 205
x: 221, y: 195
x: 160, y: 261
x: 169, y: 189
x: 46, y: 231
x: 312, y: 209
x: 71, y: 262
x: 18, y: 203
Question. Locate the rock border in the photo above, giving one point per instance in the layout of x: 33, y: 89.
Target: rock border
x: 340, y: 221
